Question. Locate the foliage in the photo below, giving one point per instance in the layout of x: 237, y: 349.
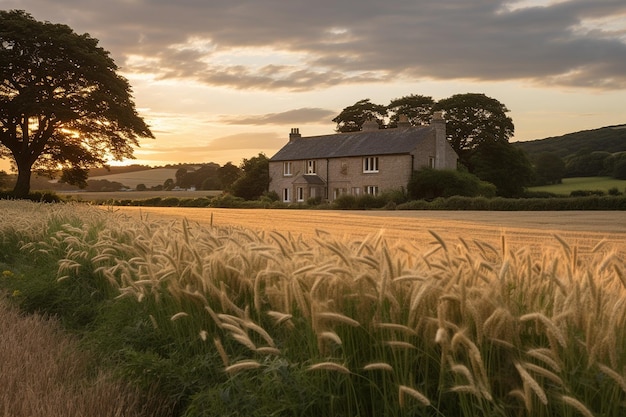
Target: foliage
x: 606, y: 139
x: 69, y: 86
x: 619, y: 170
x: 503, y: 165
x: 44, y: 371
x: 549, y: 169
x: 417, y: 109
x: 351, y: 118
x: 587, y: 164
x: 206, y: 177
x: 228, y: 174
x: 473, y: 120
x: 230, y: 321
x: 430, y: 183
x: 615, y: 165
x: 255, y: 178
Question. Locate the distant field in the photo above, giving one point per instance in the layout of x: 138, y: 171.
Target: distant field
x: 583, y: 183
x: 520, y: 229
x: 149, y: 177
x: 134, y: 195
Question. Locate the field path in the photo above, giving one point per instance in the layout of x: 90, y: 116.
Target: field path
x: 583, y: 229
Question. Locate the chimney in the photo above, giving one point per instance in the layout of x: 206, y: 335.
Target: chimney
x: 370, y: 125
x: 403, y: 121
x: 439, y: 124
x: 294, y: 134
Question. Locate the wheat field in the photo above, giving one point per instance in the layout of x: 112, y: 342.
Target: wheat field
x: 520, y: 229
x: 359, y: 313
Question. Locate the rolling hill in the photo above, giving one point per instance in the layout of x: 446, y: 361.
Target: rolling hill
x: 609, y: 139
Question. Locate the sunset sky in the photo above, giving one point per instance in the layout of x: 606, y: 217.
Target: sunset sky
x: 222, y: 80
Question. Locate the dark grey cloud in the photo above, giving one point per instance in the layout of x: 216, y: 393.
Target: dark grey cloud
x: 297, y: 116
x: 355, y: 41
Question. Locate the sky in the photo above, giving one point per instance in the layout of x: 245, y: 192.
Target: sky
x: 222, y: 80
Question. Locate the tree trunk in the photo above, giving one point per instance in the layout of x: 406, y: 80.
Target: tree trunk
x: 22, y: 186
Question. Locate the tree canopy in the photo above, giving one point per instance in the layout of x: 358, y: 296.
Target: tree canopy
x: 255, y: 178
x: 473, y: 119
x: 62, y: 104
x: 351, y: 118
x: 417, y: 108
x: 503, y: 165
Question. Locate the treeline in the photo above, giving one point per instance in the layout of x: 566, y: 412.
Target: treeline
x: 591, y: 153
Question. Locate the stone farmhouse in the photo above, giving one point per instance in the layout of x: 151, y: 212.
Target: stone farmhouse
x: 367, y: 162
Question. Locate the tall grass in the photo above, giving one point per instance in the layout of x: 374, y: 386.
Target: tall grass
x: 233, y: 322
x: 44, y: 373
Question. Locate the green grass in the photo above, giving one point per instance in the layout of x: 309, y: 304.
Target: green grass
x: 583, y: 183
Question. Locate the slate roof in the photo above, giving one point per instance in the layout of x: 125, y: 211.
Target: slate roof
x: 364, y: 143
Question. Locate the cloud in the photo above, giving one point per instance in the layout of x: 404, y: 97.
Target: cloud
x: 308, y: 46
x: 296, y: 116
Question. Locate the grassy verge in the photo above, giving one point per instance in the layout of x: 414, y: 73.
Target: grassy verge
x: 230, y: 322
x: 43, y: 372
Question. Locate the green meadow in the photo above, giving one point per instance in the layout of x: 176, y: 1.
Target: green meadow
x: 603, y: 184
x: 231, y: 321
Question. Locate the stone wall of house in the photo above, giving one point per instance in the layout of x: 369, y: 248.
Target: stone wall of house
x: 346, y: 175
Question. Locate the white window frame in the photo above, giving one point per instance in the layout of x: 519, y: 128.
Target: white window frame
x: 299, y: 194
x: 431, y: 162
x: 311, y: 166
x: 355, y: 191
x: 371, y: 189
x: 286, y: 195
x: 370, y: 164
x: 287, y: 169
x: 338, y: 192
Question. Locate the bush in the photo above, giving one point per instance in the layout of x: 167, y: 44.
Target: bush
x: 36, y: 196
x: 430, y: 183
x: 345, y: 202
x: 586, y: 193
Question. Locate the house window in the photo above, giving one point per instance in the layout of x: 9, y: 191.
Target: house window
x: 286, y: 195
x: 370, y: 164
x: 431, y: 162
x: 371, y: 189
x: 300, y: 194
x: 355, y: 191
x: 339, y: 192
x: 311, y: 166
x: 287, y: 169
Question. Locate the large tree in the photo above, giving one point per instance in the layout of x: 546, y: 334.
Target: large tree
x: 255, y: 178
x: 351, y: 118
x: 473, y: 119
x: 62, y: 104
x: 505, y: 166
x: 417, y: 109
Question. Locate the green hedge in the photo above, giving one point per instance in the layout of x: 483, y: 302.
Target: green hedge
x: 518, y: 204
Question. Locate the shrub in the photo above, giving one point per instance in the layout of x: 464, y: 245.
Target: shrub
x: 430, y: 183
x: 586, y: 193
x: 345, y: 202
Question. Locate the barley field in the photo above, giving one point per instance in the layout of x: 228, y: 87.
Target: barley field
x: 307, y: 313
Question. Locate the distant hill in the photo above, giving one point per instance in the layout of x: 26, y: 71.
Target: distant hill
x: 147, y: 176
x: 609, y: 139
